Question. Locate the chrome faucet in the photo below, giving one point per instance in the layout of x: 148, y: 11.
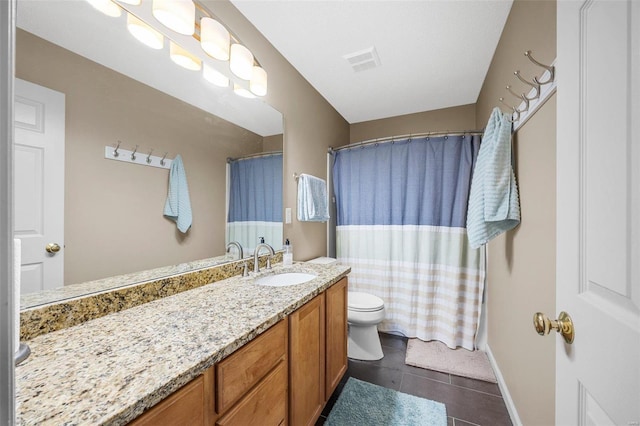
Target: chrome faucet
x: 238, y: 246
x: 256, y: 254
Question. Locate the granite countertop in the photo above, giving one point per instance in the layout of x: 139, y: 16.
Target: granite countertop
x: 109, y: 370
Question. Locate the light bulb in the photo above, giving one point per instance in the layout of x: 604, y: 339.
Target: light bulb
x: 178, y: 15
x: 107, y: 7
x: 241, y: 61
x: 241, y: 91
x: 214, y: 77
x: 214, y: 38
x: 258, y: 82
x: 184, y: 58
x: 144, y: 33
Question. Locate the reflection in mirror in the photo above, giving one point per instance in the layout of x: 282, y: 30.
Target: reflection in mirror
x: 112, y: 88
x: 255, y: 201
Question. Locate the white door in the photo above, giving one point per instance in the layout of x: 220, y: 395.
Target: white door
x: 39, y: 185
x: 598, y: 201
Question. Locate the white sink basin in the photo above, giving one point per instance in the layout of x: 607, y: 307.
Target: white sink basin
x: 285, y: 279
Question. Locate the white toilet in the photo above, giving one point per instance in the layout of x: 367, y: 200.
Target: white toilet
x: 365, y: 311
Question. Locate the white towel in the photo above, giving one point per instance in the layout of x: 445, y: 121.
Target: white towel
x: 493, y: 199
x: 312, y: 199
x: 17, y: 262
x: 178, y: 205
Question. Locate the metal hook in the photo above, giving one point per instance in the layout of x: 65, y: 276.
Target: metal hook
x: 163, y: 157
x: 521, y: 96
x: 133, y: 154
x: 550, y: 68
x: 514, y: 109
x: 534, y: 85
x: 115, y: 151
x: 149, y: 157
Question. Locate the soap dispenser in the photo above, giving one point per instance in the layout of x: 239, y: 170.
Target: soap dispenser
x: 287, y: 256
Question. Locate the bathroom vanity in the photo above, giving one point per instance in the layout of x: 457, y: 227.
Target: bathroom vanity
x: 228, y: 353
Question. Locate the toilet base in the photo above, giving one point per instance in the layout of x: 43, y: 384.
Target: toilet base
x: 364, y: 343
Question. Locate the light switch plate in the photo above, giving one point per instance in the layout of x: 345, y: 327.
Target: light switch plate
x: 287, y: 215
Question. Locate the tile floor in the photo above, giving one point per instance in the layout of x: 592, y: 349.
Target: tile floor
x: 468, y: 401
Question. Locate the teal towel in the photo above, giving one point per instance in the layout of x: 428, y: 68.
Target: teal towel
x: 312, y: 199
x: 178, y: 205
x: 493, y: 200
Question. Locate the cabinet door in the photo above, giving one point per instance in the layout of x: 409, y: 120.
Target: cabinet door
x: 190, y: 405
x: 307, y: 362
x: 336, y: 365
x: 264, y: 405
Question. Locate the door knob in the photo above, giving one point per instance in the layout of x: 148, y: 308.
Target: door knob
x: 52, y: 248
x: 563, y: 325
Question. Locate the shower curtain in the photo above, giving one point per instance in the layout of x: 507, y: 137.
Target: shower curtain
x: 255, y: 201
x: 401, y: 214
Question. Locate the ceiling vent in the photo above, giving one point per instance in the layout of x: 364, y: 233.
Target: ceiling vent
x: 363, y: 59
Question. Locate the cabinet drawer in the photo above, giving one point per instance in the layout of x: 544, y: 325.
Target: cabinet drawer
x: 247, y: 366
x: 265, y: 405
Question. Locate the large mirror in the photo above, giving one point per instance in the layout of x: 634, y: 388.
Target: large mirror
x: 112, y: 88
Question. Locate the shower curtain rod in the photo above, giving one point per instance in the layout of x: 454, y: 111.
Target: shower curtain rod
x: 259, y: 154
x: 409, y: 136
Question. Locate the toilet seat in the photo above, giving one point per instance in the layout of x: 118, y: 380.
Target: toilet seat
x: 364, y: 302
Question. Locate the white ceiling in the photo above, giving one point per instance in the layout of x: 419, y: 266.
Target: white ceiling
x: 433, y: 53
x: 78, y: 27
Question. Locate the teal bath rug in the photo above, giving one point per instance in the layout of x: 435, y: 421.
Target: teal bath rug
x: 366, y: 404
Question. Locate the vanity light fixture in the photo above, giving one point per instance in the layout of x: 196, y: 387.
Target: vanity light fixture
x: 144, y: 33
x: 184, y: 58
x: 215, y: 77
x: 107, y: 7
x: 178, y: 15
x: 214, y: 38
x: 241, y: 91
x: 241, y: 61
x: 258, y: 82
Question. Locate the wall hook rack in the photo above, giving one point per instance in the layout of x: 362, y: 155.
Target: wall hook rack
x: 127, y: 156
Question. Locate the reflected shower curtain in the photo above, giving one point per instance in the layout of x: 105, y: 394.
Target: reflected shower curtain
x: 401, y: 214
x: 255, y: 201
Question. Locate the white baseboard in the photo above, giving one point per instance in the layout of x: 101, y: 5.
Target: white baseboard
x: 513, y: 413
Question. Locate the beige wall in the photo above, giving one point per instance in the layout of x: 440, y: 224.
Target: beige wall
x: 113, y: 210
x: 521, y: 271
x: 272, y: 143
x: 311, y: 125
x: 458, y: 118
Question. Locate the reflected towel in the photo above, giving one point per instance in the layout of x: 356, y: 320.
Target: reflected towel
x: 493, y: 200
x: 178, y: 205
x: 312, y: 199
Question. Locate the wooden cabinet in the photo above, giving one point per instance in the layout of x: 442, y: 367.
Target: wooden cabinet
x: 306, y: 362
x: 192, y: 404
x: 284, y: 376
x: 336, y: 330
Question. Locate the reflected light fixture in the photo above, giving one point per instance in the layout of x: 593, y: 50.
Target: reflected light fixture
x: 214, y: 77
x: 107, y: 7
x: 241, y: 61
x: 144, y: 33
x: 178, y: 15
x: 258, y: 82
x: 214, y: 38
x: 241, y: 91
x: 184, y: 58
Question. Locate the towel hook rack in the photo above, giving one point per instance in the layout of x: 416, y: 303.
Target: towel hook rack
x: 550, y: 68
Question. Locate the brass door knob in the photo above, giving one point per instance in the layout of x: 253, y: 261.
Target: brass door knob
x: 52, y: 248
x: 563, y: 325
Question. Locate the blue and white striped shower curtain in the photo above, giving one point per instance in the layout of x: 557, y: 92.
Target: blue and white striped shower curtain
x: 255, y: 201
x: 401, y: 211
